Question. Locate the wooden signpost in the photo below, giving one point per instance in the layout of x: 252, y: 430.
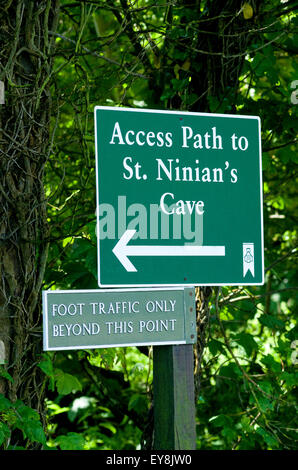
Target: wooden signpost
x: 174, y: 399
x: 179, y: 204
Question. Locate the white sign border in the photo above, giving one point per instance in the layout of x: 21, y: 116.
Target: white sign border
x: 45, y: 293
x: 185, y: 113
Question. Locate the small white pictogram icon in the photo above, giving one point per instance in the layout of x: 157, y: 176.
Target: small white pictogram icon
x: 248, y: 259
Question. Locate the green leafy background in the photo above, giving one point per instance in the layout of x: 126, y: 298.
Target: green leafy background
x: 143, y: 54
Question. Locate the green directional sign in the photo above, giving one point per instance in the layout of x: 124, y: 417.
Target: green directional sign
x: 179, y: 198
x: 86, y: 319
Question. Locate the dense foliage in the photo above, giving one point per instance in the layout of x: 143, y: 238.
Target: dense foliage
x: 222, y: 57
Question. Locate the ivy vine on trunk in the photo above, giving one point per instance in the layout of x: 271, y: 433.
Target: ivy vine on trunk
x: 26, y: 51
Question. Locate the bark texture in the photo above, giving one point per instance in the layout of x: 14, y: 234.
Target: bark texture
x: 26, y: 51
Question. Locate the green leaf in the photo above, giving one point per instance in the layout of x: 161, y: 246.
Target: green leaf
x: 268, y: 438
x: 291, y: 379
x: 5, y: 374
x: 272, y: 322
x: 34, y: 431
x: 265, y: 403
x: 221, y: 421
x: 25, y: 412
x: 71, y: 441
x: 109, y: 426
x: 105, y: 356
x: 66, y: 383
x: 245, y: 424
x: 229, y: 433
x: 271, y: 364
x: 28, y: 421
x: 138, y: 403
x: 81, y: 246
x: 46, y: 366
x: 5, y: 404
x: 247, y: 341
x: 91, y: 262
x: 216, y: 347
x: 231, y: 370
x: 179, y: 85
x: 4, y: 432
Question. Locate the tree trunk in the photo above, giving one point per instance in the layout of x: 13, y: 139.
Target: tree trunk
x: 26, y: 53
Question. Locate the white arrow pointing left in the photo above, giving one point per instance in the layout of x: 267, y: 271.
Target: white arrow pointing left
x: 122, y: 250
